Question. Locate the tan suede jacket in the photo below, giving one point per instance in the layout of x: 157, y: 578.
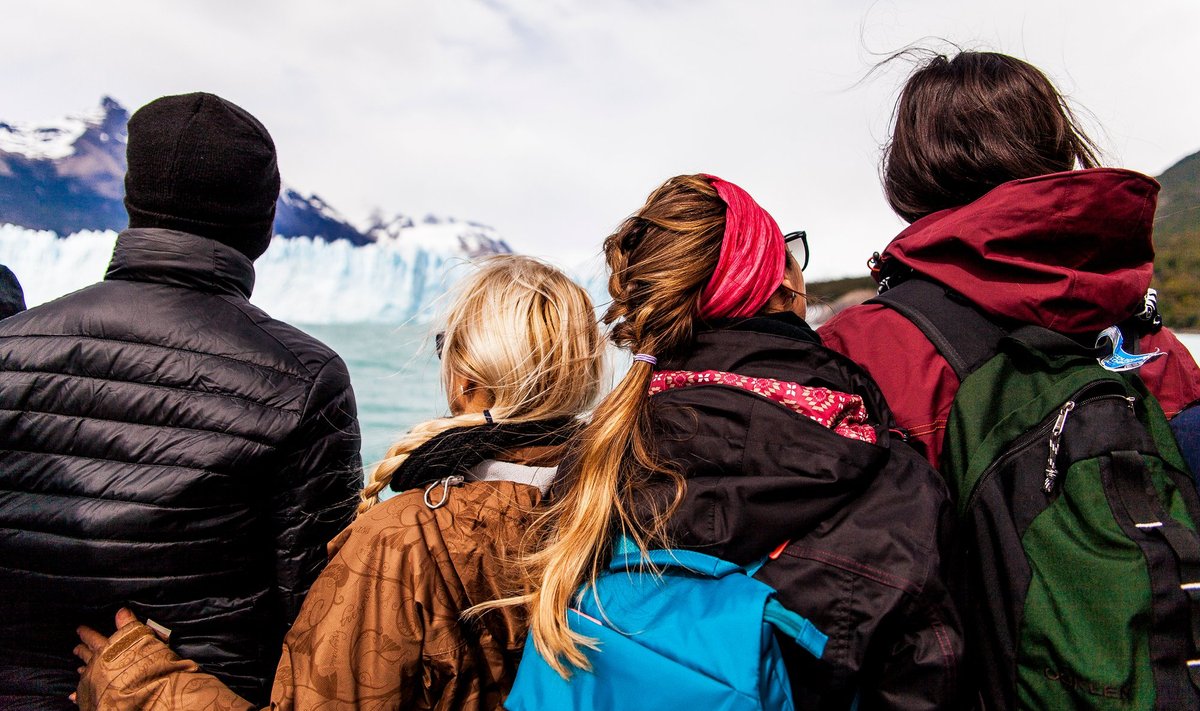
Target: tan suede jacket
x: 381, y: 627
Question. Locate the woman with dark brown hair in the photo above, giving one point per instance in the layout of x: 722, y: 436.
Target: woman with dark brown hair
x: 1010, y: 211
x: 737, y: 434
x: 1020, y: 253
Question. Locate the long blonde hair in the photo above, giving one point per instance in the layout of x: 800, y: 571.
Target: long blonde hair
x: 525, y: 337
x: 660, y: 260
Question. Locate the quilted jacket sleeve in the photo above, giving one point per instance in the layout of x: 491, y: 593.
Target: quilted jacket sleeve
x: 315, y: 490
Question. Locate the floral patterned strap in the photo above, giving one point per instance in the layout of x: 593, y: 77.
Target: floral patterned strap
x: 843, y: 413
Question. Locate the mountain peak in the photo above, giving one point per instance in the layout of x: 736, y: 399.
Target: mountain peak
x: 67, y: 175
x: 114, y: 116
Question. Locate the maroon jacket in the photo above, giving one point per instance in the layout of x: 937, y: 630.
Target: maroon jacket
x: 1068, y: 251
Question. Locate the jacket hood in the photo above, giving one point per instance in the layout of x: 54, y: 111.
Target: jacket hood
x: 162, y: 256
x: 1068, y: 251
x: 757, y: 473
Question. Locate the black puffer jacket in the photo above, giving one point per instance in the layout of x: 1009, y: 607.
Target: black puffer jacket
x: 165, y: 444
x: 861, y: 521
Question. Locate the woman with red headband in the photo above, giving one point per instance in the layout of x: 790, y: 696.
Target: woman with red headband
x: 736, y: 433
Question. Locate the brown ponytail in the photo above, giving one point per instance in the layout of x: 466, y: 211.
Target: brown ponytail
x: 660, y: 260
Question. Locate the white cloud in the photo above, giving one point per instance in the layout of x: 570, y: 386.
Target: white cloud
x: 553, y: 120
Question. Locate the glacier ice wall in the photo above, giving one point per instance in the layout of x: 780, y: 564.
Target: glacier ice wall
x: 49, y: 267
x: 395, y: 279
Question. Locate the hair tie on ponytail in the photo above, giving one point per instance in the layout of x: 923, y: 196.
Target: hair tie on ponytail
x: 487, y: 416
x: 646, y: 358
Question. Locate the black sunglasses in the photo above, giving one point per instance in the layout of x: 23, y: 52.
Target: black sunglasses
x: 439, y: 342
x: 797, y: 244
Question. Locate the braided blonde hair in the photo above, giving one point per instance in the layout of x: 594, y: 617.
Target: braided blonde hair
x: 525, y: 339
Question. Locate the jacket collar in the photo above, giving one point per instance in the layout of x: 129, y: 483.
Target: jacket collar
x: 784, y: 323
x: 161, y: 256
x: 1068, y: 251
x: 782, y: 347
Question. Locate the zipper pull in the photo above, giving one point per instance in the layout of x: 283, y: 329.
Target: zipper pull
x: 1132, y: 400
x: 1055, y: 438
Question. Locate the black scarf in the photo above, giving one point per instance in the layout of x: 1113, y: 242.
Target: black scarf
x: 455, y: 451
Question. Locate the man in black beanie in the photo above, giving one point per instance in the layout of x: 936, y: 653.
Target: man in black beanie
x: 164, y: 444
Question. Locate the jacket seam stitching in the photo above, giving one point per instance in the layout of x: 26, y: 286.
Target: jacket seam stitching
x: 315, y: 380
x: 90, y: 538
x: 930, y: 428
x: 157, y: 579
x: 129, y: 502
x: 240, y: 305
x: 106, y: 459
x: 94, y: 418
x: 950, y: 660
x: 853, y: 566
x: 177, y: 349
x: 171, y: 388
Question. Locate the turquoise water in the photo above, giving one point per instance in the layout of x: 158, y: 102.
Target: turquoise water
x: 395, y: 375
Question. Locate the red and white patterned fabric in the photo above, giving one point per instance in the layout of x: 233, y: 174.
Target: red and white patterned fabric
x: 841, y: 412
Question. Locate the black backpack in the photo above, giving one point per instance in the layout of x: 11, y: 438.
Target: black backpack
x: 1078, y: 557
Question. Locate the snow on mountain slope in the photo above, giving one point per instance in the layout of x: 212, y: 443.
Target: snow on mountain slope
x: 49, y: 140
x: 472, y: 239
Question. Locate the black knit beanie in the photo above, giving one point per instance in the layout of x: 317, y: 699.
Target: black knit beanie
x: 200, y: 164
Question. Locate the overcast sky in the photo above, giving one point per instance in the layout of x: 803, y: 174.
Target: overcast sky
x: 552, y: 119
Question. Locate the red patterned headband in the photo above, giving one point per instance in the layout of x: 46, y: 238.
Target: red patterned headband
x: 753, y: 257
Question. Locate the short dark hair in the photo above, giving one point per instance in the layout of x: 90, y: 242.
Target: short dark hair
x: 962, y: 126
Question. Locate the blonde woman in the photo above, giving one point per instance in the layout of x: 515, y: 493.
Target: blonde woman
x: 383, y: 627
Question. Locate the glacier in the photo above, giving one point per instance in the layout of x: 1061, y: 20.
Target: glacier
x: 399, y: 277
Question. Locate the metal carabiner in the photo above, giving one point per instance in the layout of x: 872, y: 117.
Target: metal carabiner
x: 446, y: 484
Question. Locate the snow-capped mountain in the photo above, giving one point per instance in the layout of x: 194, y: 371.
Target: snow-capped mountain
x: 473, y: 239
x: 67, y: 175
x: 61, y: 190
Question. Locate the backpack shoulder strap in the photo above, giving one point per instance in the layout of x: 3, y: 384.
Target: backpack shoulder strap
x: 796, y: 627
x: 962, y: 334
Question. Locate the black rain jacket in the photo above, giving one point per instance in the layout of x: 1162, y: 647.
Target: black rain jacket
x: 863, y: 523
x: 168, y: 446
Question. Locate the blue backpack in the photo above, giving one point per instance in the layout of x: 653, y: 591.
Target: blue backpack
x: 699, y: 636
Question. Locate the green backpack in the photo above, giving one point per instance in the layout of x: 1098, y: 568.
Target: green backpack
x: 1078, y: 556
